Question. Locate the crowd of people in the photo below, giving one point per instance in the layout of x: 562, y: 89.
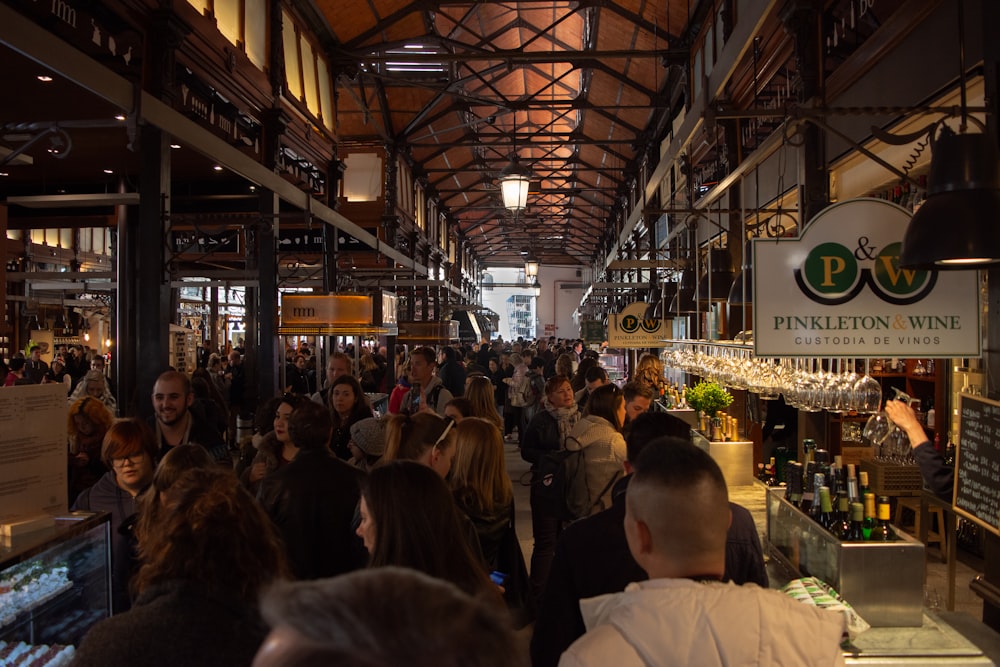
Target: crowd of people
x: 399, y: 529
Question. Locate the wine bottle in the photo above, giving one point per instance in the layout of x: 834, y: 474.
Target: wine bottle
x: 852, y: 484
x: 857, y: 531
x: 868, y: 525
x: 842, y: 523
x: 883, y: 531
x: 816, y: 508
x: 825, y: 517
x: 793, y: 483
x: 863, y: 481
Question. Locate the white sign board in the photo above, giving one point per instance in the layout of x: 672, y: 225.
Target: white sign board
x: 630, y: 328
x: 837, y: 291
x: 33, y: 454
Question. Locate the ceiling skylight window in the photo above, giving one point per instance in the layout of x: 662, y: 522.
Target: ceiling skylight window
x: 417, y: 59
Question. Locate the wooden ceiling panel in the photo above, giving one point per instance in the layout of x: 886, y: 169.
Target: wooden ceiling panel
x: 569, y: 88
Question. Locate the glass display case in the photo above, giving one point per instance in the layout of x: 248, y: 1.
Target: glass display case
x: 614, y: 363
x: 54, y: 585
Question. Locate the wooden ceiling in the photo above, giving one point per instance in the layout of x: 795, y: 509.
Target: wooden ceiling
x: 579, y: 91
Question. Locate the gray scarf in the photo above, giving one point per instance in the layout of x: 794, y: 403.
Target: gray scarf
x: 566, y: 418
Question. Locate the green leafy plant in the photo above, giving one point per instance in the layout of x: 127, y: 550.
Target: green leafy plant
x: 708, y: 397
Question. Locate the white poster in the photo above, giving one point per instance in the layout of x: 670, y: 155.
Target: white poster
x: 33, y: 455
x: 838, y: 290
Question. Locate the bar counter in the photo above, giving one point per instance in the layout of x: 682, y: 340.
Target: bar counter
x: 943, y: 638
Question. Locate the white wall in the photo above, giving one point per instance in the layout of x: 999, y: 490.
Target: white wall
x: 554, y: 306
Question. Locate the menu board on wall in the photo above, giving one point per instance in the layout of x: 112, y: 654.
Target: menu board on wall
x: 977, y: 482
x: 32, y: 451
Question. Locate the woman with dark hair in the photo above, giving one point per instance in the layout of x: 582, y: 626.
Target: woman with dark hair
x: 348, y: 404
x: 458, y: 409
x: 408, y: 519
x: 579, y: 379
x: 275, y: 449
x: 424, y: 438
x: 86, y: 426
x: 599, y: 435
x: 129, y: 451
x: 207, y: 554
x: 547, y: 432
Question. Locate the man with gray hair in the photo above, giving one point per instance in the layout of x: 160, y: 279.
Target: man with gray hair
x: 383, y: 617
x: 676, y: 518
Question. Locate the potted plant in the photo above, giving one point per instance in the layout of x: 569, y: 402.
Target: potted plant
x: 709, y: 398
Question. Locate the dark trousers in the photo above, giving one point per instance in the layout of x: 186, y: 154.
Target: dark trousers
x: 511, y: 420
x: 545, y: 529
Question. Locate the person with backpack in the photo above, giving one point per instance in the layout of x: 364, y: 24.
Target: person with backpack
x: 545, y: 434
x: 599, y: 436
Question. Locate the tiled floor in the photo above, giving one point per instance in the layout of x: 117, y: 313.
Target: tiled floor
x: 936, y: 589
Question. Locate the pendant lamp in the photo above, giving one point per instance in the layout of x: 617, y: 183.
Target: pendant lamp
x: 683, y: 301
x: 958, y: 225
x: 742, y: 290
x: 714, y: 285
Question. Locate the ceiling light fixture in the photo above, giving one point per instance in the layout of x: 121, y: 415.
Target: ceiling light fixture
x: 44, y: 78
x: 530, y: 266
x: 120, y: 116
x: 536, y: 287
x: 958, y: 225
x: 175, y: 146
x: 109, y: 171
x: 514, y: 181
x: 217, y: 168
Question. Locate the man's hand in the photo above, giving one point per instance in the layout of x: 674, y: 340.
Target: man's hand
x: 902, y: 415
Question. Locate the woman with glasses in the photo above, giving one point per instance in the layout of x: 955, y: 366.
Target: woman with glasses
x: 129, y: 452
x: 274, y: 449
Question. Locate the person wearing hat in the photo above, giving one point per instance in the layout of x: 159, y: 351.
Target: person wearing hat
x: 367, y: 443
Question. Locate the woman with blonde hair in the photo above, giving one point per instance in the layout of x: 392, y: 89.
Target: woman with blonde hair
x: 483, y: 492
x: 649, y: 371
x: 564, y: 365
x: 479, y: 391
x: 480, y: 482
x: 424, y: 438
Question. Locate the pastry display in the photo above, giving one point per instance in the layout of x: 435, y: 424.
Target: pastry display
x: 30, y: 655
x: 24, y: 588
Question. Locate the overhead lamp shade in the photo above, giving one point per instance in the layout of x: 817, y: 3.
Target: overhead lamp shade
x: 742, y: 290
x: 60, y: 323
x: 514, y: 181
x: 683, y: 301
x: 958, y: 225
x: 716, y: 288
x: 530, y: 267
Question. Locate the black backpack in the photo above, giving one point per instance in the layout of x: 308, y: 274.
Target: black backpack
x: 561, y: 481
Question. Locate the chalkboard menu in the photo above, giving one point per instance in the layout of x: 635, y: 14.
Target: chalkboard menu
x: 977, y: 484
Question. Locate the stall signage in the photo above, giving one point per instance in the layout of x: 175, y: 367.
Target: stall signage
x: 326, y: 309
x: 631, y: 329
x: 838, y: 290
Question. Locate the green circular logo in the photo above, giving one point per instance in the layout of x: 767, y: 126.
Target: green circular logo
x: 830, y: 269
x: 630, y: 324
x: 893, y: 279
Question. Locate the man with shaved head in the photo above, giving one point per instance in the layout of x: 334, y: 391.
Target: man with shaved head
x: 676, y: 517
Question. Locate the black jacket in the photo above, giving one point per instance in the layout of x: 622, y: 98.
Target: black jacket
x: 592, y: 558
x: 540, y: 437
x: 176, y: 623
x: 312, y: 501
x: 938, y: 477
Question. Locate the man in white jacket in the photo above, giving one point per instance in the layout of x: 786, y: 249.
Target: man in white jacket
x: 676, y: 518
